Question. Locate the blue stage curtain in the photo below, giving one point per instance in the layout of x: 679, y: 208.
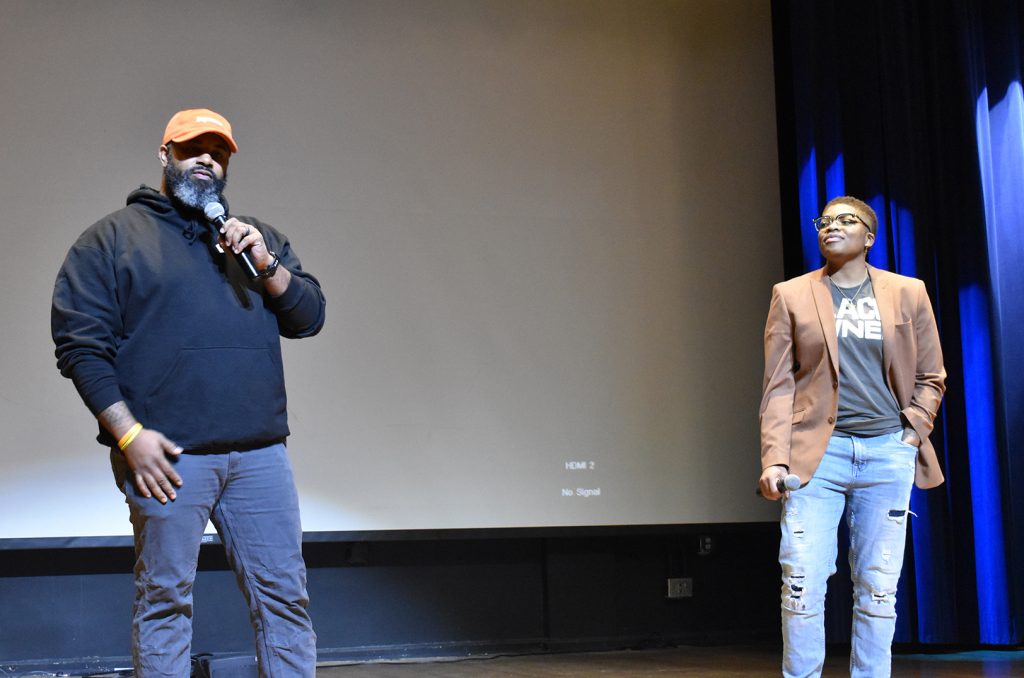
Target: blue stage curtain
x: 917, y: 107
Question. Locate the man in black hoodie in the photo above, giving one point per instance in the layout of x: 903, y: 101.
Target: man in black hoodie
x: 173, y: 342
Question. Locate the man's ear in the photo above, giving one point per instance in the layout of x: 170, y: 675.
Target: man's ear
x: 164, y: 154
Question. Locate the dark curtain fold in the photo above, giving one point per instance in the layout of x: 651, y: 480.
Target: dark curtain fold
x: 916, y: 107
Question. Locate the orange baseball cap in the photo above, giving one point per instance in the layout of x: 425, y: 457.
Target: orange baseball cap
x: 190, y: 123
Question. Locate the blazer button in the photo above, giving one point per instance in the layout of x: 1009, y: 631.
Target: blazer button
x: 831, y: 420
x: 835, y: 385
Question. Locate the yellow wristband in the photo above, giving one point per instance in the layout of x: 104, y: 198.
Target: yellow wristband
x: 128, y: 437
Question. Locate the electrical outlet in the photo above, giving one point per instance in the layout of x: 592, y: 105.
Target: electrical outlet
x: 706, y: 545
x: 680, y: 587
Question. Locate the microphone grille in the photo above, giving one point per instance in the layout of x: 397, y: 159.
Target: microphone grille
x: 792, y: 482
x: 213, y: 210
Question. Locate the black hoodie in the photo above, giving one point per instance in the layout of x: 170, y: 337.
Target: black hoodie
x: 145, y: 311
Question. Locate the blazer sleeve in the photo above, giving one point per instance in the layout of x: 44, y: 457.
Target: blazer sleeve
x: 930, y: 375
x: 776, y: 412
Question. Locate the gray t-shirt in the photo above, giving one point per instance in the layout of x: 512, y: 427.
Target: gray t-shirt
x: 866, y: 405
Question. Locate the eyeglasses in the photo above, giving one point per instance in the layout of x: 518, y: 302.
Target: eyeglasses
x: 845, y: 220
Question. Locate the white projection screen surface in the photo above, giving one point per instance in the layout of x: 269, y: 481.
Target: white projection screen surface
x: 547, y: 231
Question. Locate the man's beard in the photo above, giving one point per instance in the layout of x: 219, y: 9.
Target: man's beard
x: 192, y: 192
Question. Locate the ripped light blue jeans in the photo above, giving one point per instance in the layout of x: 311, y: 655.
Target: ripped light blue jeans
x: 871, y: 478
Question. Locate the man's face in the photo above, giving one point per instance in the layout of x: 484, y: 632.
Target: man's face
x: 845, y: 238
x: 195, y: 171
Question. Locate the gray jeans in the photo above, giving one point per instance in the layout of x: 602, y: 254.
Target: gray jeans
x: 251, y: 499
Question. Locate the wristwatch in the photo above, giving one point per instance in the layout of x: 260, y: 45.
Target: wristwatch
x: 271, y: 269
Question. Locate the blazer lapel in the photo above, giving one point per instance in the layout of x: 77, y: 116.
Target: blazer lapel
x: 826, y: 316
x: 886, y: 313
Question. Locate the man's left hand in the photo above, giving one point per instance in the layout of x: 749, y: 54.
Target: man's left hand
x: 240, y: 236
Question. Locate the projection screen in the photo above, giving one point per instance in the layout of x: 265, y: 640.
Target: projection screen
x: 546, y: 229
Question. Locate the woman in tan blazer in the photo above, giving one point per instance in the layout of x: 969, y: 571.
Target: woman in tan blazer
x: 853, y: 380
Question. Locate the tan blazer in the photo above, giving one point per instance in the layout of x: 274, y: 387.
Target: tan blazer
x: 801, y: 373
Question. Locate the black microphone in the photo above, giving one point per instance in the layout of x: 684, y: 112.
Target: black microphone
x: 216, y: 215
x: 789, y: 483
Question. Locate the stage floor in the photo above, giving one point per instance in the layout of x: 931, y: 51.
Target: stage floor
x: 703, y: 662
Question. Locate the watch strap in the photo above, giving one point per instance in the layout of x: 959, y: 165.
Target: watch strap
x: 271, y: 269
